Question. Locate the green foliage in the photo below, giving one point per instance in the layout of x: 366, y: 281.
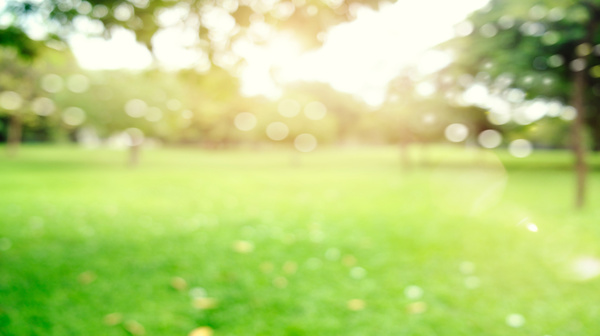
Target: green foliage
x: 535, y: 46
x: 13, y: 37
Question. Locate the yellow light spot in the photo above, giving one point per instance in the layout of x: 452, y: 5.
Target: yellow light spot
x: 113, y: 319
x: 280, y: 282
x: 356, y: 304
x: 205, y: 303
x: 135, y: 328
x: 595, y: 71
x: 583, y: 49
x: 349, y: 260
x: 243, y: 246
x: 290, y: 267
x: 86, y: 277
x: 178, y: 283
x: 418, y: 307
x: 267, y: 267
x: 202, y: 331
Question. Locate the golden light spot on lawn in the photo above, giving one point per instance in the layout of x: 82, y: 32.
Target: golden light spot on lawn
x: 418, y: 307
x: 280, y: 282
x: 113, y: 319
x: 243, y: 246
x: 356, y: 304
x: 290, y: 267
x: 267, y: 267
x: 178, y: 283
x: 205, y: 303
x: 135, y: 328
x: 202, y: 331
x: 349, y: 260
x: 87, y: 277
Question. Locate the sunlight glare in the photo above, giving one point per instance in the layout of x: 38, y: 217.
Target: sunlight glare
x: 121, y: 51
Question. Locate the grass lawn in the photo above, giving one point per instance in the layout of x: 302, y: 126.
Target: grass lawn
x: 344, y: 242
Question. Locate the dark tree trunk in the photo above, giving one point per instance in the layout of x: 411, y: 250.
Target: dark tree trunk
x: 595, y: 127
x: 13, y: 139
x: 577, y: 130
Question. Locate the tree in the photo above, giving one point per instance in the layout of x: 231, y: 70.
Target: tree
x: 543, y: 47
x: 217, y: 23
x: 419, y: 109
x: 18, y: 88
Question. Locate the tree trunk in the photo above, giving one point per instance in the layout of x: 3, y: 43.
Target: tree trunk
x: 577, y: 129
x: 134, y: 155
x: 424, y: 162
x: 595, y: 128
x: 13, y: 140
x: 404, y: 155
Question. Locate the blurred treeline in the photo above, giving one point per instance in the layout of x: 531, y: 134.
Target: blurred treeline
x: 55, y: 100
x: 512, y: 70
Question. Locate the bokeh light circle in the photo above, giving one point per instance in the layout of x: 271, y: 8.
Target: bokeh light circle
x: 315, y: 110
x: 568, y: 113
x: 154, y: 114
x: 245, y: 121
x: 78, y: 83
x: 456, y: 132
x: 515, y: 320
x: 73, y: 116
x: 10, y: 100
x: 305, y: 142
x: 136, y: 108
x: 413, y: 292
x: 174, y: 104
x: 52, y: 83
x: 490, y: 138
x: 520, y: 148
x: 277, y: 131
x: 288, y: 108
x: 43, y: 106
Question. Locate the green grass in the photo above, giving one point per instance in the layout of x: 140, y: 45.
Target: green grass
x: 83, y: 236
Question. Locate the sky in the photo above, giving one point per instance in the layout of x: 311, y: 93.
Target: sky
x: 358, y: 57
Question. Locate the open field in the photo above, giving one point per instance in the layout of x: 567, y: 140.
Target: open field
x: 343, y: 242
